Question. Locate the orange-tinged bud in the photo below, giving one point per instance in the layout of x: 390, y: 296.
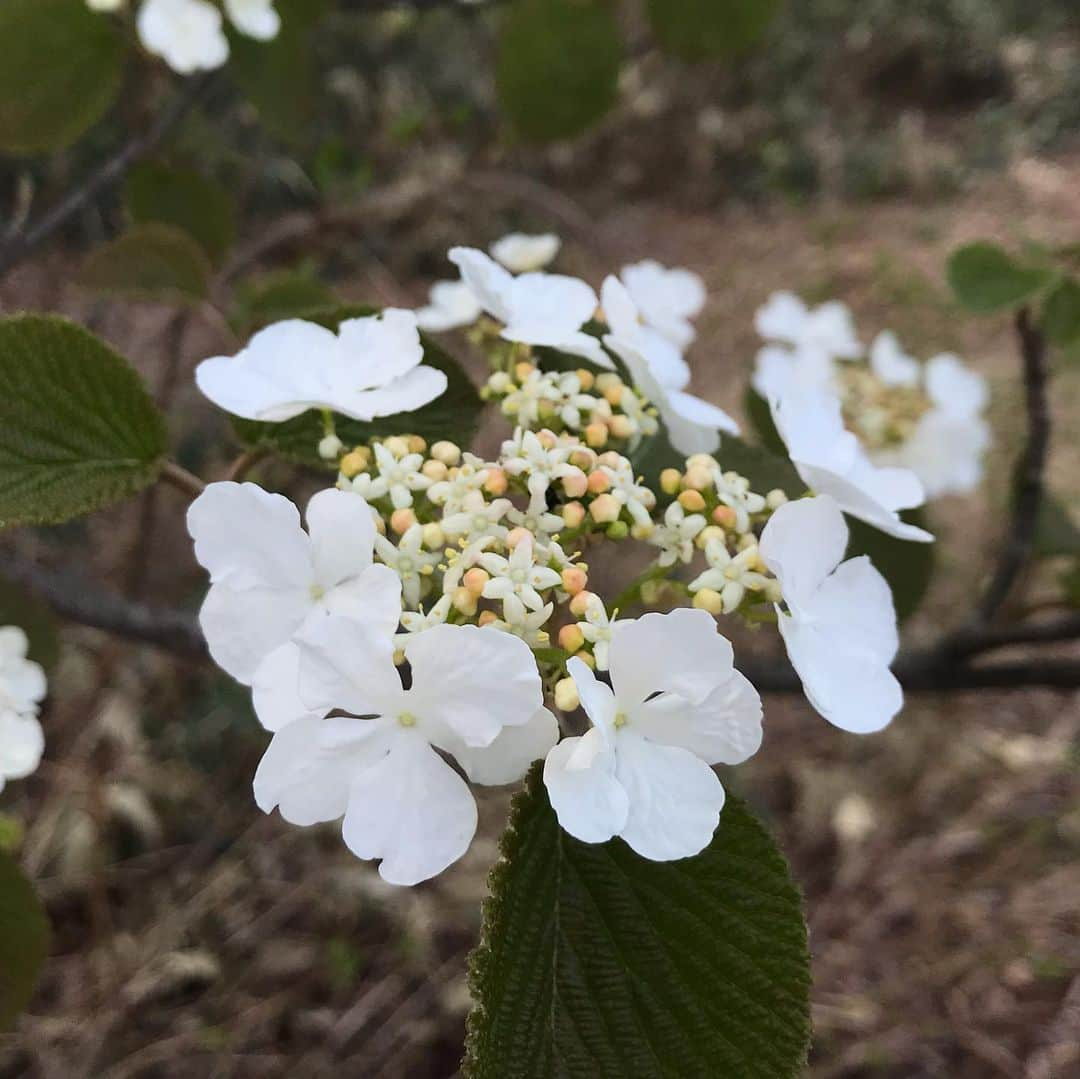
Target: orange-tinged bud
x: 575, y: 484
x: 486, y: 618
x: 599, y: 482
x: 605, y: 509
x: 692, y: 501
x: 516, y: 535
x: 475, y: 579
x: 574, y: 579
x: 583, y: 458
x: 596, y: 435
x: 621, y: 427
x: 571, y: 639
x: 523, y: 369
x: 725, y: 516
x: 402, y: 520
x: 580, y: 603
x: 496, y: 482
x: 573, y: 513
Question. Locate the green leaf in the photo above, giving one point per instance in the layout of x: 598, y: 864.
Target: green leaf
x: 1061, y: 313
x: 280, y: 77
x: 60, y: 69
x: 1056, y: 533
x: 764, y: 469
x: 185, y: 199
x: 696, y: 29
x: 987, y: 279
x: 77, y: 429
x: 596, y: 963
x: 760, y: 417
x: 454, y: 416
x: 1070, y: 584
x: 907, y: 566
x: 149, y: 262
x: 24, y: 941
x: 557, y: 69
x: 278, y: 296
x: 20, y: 608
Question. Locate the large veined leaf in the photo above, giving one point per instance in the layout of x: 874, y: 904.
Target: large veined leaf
x: 60, y: 69
x: 695, y: 29
x: 185, y: 199
x: 454, y: 416
x: 151, y: 262
x: 24, y: 940
x: 596, y: 963
x: 907, y: 566
x: 986, y: 279
x: 77, y: 428
x: 291, y: 293
x: 558, y: 66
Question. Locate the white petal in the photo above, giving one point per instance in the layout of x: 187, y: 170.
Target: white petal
x: 22, y: 743
x: 342, y: 531
x: 589, y: 801
x: 509, y: 757
x: 256, y: 18
x: 521, y: 253
x: 248, y: 536
x: 891, y: 363
x: 373, y: 597
x: 243, y: 626
x: 781, y: 318
x: 187, y: 34
x: 856, y: 603
x: 474, y: 681
x: 547, y: 306
x: 696, y: 411
x: 678, y: 652
x: 489, y: 282
x: 954, y: 387
x: 675, y: 799
x: 380, y: 348
x: 596, y: 697
x: 411, y: 391
x: 412, y: 810
x: 452, y: 305
x: 275, y: 690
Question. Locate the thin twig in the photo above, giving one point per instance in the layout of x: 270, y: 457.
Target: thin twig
x: 110, y: 172
x: 245, y: 463
x: 179, y: 477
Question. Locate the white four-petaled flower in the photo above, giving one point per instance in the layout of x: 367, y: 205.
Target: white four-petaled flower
x: 371, y: 367
x: 22, y: 688
x: 475, y: 694
x: 840, y: 624
x: 451, y: 305
x: 522, y: 253
x: 676, y: 706
x: 187, y: 34
x: 667, y: 298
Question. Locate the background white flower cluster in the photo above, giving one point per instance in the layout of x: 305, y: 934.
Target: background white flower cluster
x: 22, y: 689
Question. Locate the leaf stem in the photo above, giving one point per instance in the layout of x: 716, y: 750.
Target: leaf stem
x: 179, y: 477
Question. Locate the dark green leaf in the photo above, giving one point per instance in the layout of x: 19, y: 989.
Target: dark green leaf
x: 907, y: 566
x: 20, y: 608
x: 598, y: 964
x: 150, y: 262
x: 185, y: 199
x: 1056, y: 532
x: 1061, y: 313
x: 696, y: 29
x: 558, y: 66
x: 764, y: 469
x: 455, y: 415
x: 60, y: 69
x: 77, y: 428
x: 760, y: 416
x: 278, y: 296
x: 987, y: 279
x: 1070, y: 584
x: 24, y: 941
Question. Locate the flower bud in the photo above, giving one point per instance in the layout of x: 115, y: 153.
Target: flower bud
x: 692, y: 501
x: 575, y: 484
x: 583, y: 458
x: 574, y: 579
x: 621, y: 427
x: 606, y: 379
x: 434, y: 537
x: 573, y: 513
x: 588, y: 659
x: 402, y: 520
x: 605, y: 509
x: 773, y: 592
x: 707, y: 534
x: 464, y: 601
x: 599, y: 482
x: 499, y: 383
x: 434, y: 470
x: 330, y: 447
x: 596, y: 435
x: 708, y: 599
x: 610, y: 459
x: 617, y: 530
x: 775, y: 498
x: 446, y: 452
x: 496, y: 482
x: 516, y: 536
x: 580, y: 603
x: 643, y: 530
x: 725, y: 517
x: 698, y: 478
x: 417, y: 444
x: 547, y: 439
x: 701, y: 460
x: 747, y: 539
x: 613, y: 394
x: 355, y: 462
x: 486, y: 618
x: 670, y: 481
x: 398, y: 445
x: 586, y: 378
x: 571, y: 639
x: 523, y: 369
x: 566, y: 695
x: 475, y: 579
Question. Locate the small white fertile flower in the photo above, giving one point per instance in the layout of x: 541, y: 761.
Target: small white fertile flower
x: 840, y: 625
x: 667, y: 299
x: 519, y: 576
x: 676, y: 706
x: 730, y: 575
x: 393, y: 477
x: 830, y: 461
x: 536, y: 519
x: 528, y: 625
x: 469, y: 476
x: 255, y: 18
x: 525, y: 402
x: 22, y: 681
x: 827, y: 330
x: 409, y: 560
x: 521, y: 253
x: 597, y: 629
x: 418, y: 621
x: 475, y: 695
x: 478, y: 518
x: 371, y: 367
x: 451, y: 305
x: 527, y: 455
x: 891, y: 364
x: 639, y: 501
x: 535, y: 308
x: 675, y: 537
x: 947, y: 446
x: 734, y: 492
x: 775, y: 367
x: 269, y: 579
x: 659, y: 372
x: 186, y: 34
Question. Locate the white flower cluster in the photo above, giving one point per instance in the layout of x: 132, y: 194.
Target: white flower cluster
x: 437, y: 608
x: 22, y: 688
x: 925, y: 418
x: 189, y: 35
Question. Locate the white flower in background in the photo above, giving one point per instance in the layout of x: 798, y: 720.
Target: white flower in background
x: 371, y: 367
x: 186, y: 34
x: 840, y: 626
x: 659, y: 372
x: 255, y: 18
x: 519, y: 575
x: 269, y: 579
x: 675, y: 537
x: 105, y: 5
x: 676, y: 706
x: 451, y: 305
x: 22, y: 688
x: 775, y: 367
x: 409, y: 560
x: 947, y: 446
x: 827, y: 330
x: 521, y: 253
x: 891, y: 364
x: 831, y: 461
x: 667, y: 299
x: 535, y: 308
x: 597, y: 629
x: 393, y: 477
x: 730, y: 575
x: 475, y: 695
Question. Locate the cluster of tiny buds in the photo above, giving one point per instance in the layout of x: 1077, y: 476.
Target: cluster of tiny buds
x: 601, y: 408
x: 882, y: 415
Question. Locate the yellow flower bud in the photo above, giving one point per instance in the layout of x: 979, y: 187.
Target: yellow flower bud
x: 434, y: 537
x: 642, y: 531
x: 496, y: 482
x: 596, y: 434
x: 446, y: 452
x: 573, y: 513
x: 580, y: 603
x: 583, y: 458
x: 402, y: 520
x: 434, y: 470
x: 416, y: 444
x: 613, y: 394
x: 464, y: 601
x: 355, y: 462
x: 710, y: 532
x: 586, y: 378
x: 475, y: 579
x: 574, y: 579
x: 725, y: 517
x: 575, y: 484
x: 523, y: 369
x: 621, y: 427
x: 670, y: 481
x: 398, y: 445
x: 571, y: 639
x: 566, y: 695
x: 588, y: 659
x: 605, y: 509
x: 775, y: 498
x: 708, y: 599
x: 698, y: 478
x: 692, y: 501
x: 486, y: 618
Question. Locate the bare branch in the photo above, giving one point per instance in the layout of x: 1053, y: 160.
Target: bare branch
x: 110, y: 172
x: 179, y: 477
